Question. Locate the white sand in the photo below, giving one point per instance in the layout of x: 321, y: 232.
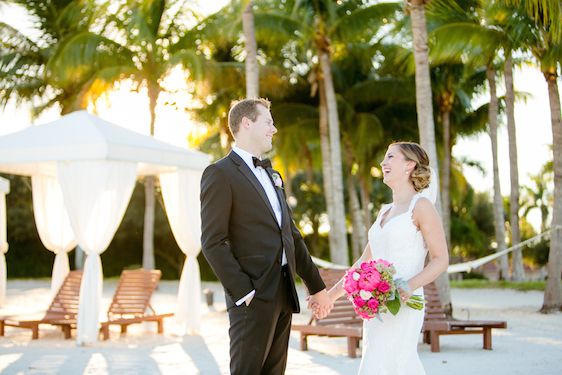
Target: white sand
x: 531, y: 344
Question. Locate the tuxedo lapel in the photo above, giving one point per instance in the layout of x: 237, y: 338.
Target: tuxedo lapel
x: 280, y: 196
x: 245, y: 170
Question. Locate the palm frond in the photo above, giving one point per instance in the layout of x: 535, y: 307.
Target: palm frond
x: 464, y: 43
x: 15, y: 41
x: 273, y: 28
x: 544, y: 12
x: 87, y: 52
x: 198, y: 66
x: 287, y: 113
x: 382, y: 91
x: 364, y: 23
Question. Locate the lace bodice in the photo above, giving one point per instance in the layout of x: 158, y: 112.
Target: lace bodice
x: 399, y: 241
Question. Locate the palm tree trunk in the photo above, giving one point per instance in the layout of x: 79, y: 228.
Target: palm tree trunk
x: 326, y: 166
x: 424, y: 109
x: 553, y: 290
x: 365, y: 202
x: 517, y: 258
x: 359, y: 232
x: 424, y: 105
x: 251, y: 62
x: 446, y: 176
x: 499, y: 223
x: 338, y: 254
x: 148, y: 228
x: 358, y: 238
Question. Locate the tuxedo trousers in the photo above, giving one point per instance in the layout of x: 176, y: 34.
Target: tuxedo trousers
x: 259, y: 333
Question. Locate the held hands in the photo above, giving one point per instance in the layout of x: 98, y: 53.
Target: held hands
x: 320, y: 303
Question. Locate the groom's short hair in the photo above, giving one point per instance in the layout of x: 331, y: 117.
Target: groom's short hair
x: 244, y: 108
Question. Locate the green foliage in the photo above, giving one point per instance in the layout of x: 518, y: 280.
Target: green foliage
x: 522, y: 286
x: 472, y: 224
x: 310, y: 204
x: 473, y: 276
x: 393, y: 305
x: 372, y: 62
x: 26, y: 74
x: 26, y: 256
x: 537, y: 254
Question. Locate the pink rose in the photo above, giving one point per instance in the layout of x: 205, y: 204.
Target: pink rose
x: 385, y: 262
x: 366, y: 266
x: 384, y: 286
x: 350, y: 285
x: 373, y: 304
x: 364, y: 315
x: 359, y: 302
x: 369, y: 280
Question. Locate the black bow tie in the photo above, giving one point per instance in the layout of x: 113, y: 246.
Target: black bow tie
x: 265, y: 163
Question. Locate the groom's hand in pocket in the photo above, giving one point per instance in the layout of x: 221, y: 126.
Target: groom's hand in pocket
x: 249, y: 300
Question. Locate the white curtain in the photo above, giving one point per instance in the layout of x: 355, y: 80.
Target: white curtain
x: 96, y: 195
x: 3, y: 248
x: 53, y: 225
x: 181, y: 198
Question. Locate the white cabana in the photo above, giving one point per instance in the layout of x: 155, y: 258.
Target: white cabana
x: 4, y: 189
x: 53, y: 225
x: 95, y: 164
x: 181, y: 198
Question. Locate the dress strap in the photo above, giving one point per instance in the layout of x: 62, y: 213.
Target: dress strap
x: 384, y: 209
x: 413, y: 202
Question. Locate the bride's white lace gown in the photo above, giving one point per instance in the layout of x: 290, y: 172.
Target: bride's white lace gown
x: 390, y: 346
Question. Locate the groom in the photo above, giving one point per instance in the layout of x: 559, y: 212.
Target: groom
x: 253, y: 246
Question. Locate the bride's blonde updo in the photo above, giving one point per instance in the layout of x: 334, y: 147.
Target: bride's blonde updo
x: 421, y: 174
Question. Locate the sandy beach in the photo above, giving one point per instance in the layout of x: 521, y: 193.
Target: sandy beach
x: 531, y: 344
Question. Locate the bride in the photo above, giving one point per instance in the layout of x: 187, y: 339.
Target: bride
x: 404, y: 232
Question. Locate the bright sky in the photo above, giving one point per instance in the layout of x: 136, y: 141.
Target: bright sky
x: 130, y: 110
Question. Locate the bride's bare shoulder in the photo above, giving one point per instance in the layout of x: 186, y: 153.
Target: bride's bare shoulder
x: 423, y: 210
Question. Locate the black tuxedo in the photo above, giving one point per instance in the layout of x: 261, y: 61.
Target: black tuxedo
x: 243, y: 243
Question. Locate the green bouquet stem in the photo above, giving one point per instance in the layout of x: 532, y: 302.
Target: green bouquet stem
x: 415, y: 302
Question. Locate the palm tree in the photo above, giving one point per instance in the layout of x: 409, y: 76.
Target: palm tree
x: 424, y: 104
x: 539, y: 195
x: 499, y: 222
x: 546, y: 49
x: 25, y: 61
x: 515, y: 29
x: 322, y: 26
x: 252, y: 68
x: 514, y: 206
x: 146, y: 41
x: 453, y: 86
x: 467, y: 38
x: 424, y: 107
x: 26, y: 74
x: 545, y: 17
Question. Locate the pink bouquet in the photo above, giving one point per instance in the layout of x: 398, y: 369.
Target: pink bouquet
x: 372, y: 289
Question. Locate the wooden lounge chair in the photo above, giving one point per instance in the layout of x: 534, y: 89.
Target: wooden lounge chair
x: 61, y: 312
x: 437, y: 323
x: 131, y: 301
x: 341, y: 322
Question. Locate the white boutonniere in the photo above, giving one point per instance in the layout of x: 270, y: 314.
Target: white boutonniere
x: 277, y: 180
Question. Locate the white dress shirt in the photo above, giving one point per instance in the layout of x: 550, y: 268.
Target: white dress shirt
x: 265, y: 182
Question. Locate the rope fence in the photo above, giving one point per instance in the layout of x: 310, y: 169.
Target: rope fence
x: 465, y: 266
